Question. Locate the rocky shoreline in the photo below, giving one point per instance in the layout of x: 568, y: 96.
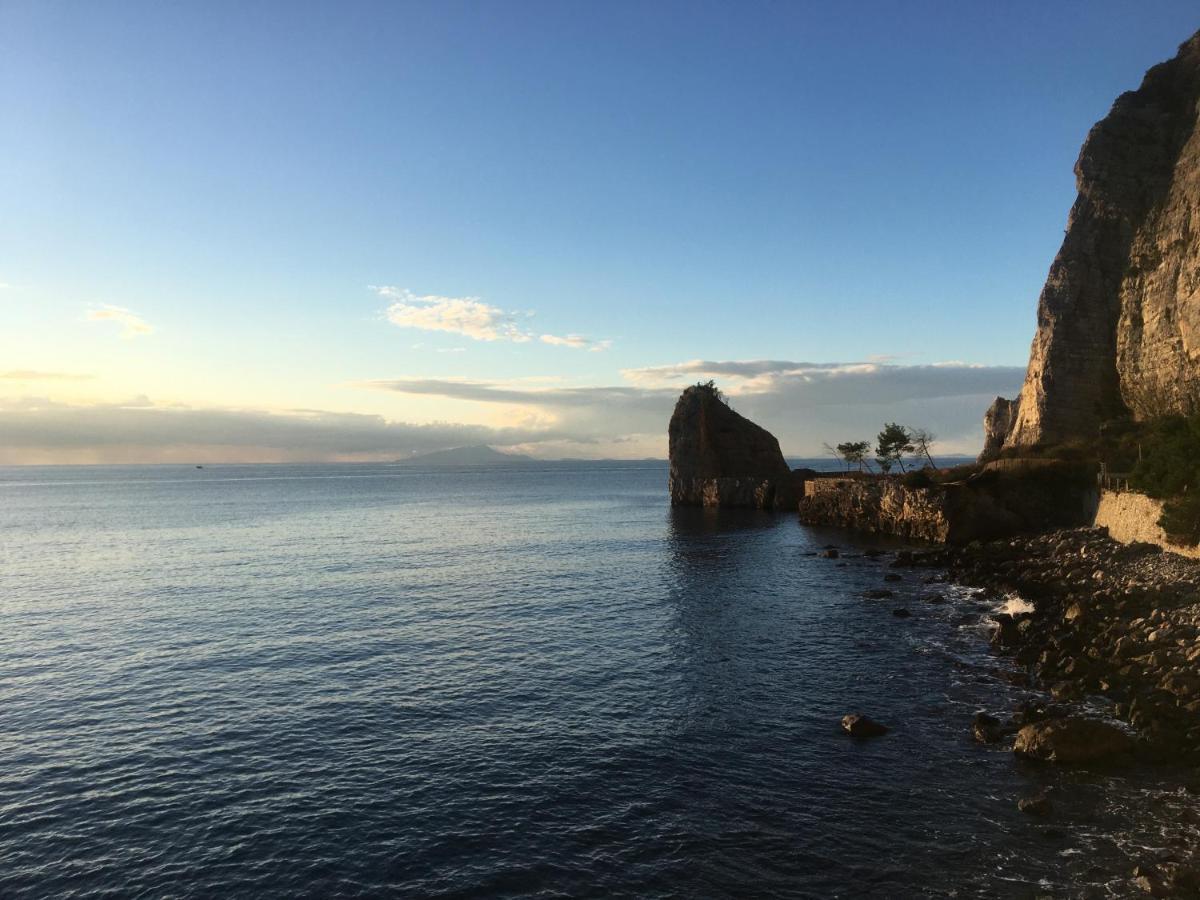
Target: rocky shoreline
x: 1113, y: 635
x: 1110, y: 620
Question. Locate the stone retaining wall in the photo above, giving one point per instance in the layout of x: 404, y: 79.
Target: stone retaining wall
x: 1131, y: 517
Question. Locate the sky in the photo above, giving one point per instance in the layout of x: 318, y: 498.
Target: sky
x: 254, y: 232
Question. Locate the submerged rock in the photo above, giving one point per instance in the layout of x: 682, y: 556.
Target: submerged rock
x: 1072, y: 740
x: 1037, y: 805
x: 858, y: 725
x: 720, y: 458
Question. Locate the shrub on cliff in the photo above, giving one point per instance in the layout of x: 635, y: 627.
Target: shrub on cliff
x: 917, y: 478
x: 1168, y: 468
x: 1170, y: 457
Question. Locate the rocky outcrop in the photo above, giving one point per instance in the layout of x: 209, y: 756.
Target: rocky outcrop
x: 1071, y: 739
x: 720, y: 458
x: 1021, y: 497
x: 997, y: 423
x: 1118, y: 328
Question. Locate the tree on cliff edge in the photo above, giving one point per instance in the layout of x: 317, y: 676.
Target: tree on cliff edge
x: 890, y: 446
x: 854, y: 453
x: 922, y: 440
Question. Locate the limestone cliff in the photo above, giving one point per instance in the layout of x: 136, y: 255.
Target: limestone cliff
x: 997, y: 423
x: 1118, y: 328
x: 720, y: 458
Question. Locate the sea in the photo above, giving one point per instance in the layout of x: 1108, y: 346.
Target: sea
x: 370, y: 680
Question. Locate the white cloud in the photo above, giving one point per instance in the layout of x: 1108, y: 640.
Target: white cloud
x: 575, y: 342
x: 132, y: 325
x: 470, y: 317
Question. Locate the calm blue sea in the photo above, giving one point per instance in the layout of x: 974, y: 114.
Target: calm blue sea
x: 372, y: 680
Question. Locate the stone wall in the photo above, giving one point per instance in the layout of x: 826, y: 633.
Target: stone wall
x: 1131, y: 517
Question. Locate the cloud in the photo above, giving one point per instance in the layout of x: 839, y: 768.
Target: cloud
x: 33, y: 375
x: 575, y: 342
x: 803, y: 404
x: 132, y: 325
x: 40, y: 431
x: 470, y: 317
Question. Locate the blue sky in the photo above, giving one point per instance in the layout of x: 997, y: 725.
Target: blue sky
x: 284, y: 193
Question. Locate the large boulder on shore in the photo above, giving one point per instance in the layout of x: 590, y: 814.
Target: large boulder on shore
x: 1072, y: 740
x: 720, y: 458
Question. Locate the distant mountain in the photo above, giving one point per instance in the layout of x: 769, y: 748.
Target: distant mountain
x: 479, y: 455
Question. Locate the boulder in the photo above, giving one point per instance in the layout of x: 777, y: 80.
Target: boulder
x: 858, y: 725
x: 1037, y: 805
x: 1072, y: 740
x: 986, y: 729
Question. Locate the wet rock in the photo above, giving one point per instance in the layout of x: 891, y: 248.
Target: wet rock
x: 1007, y: 633
x: 901, y: 613
x: 893, y: 576
x: 1037, y: 805
x: 858, y: 725
x: 878, y: 594
x: 1065, y: 691
x: 1072, y: 740
x: 830, y: 553
x: 986, y: 729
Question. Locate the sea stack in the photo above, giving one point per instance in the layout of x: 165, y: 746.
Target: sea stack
x: 720, y: 458
x: 1118, y: 330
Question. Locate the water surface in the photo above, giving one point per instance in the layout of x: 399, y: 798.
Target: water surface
x: 281, y: 681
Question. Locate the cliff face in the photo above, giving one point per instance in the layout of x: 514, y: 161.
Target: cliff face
x: 1003, y: 501
x: 720, y: 458
x: 997, y: 423
x: 1119, y: 317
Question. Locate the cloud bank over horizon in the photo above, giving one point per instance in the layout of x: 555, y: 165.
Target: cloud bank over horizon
x: 803, y: 404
